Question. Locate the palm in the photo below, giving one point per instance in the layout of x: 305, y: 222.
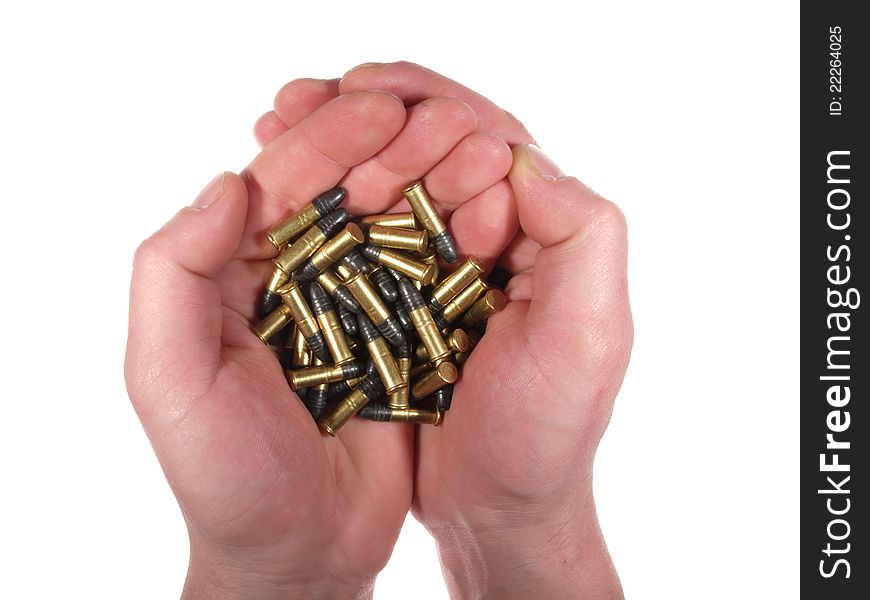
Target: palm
x: 257, y: 470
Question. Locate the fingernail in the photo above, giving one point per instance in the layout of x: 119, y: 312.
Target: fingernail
x: 545, y: 167
x: 211, y: 193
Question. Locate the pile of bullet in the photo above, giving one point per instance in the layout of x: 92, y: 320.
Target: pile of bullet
x: 361, y: 319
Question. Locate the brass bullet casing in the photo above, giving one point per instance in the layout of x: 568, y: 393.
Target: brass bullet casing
x: 368, y: 390
x: 306, y: 323
x: 454, y: 283
x: 421, y: 318
x: 301, y: 356
x: 372, y: 305
x: 462, y: 302
x: 401, y: 398
x: 332, y: 250
x: 329, y: 324
x: 274, y: 322
x: 425, y: 212
x: 405, y: 220
x: 489, y: 304
x: 375, y: 411
x: 457, y: 341
x: 312, y: 376
x: 431, y: 258
x: 332, y: 284
x: 295, y: 254
x: 321, y: 206
x: 366, y: 296
x: 413, y: 240
x: 402, y: 263
x: 437, y: 378
x: 381, y: 355
x: 420, y: 416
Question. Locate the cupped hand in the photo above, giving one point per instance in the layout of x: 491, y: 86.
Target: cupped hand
x: 272, y: 507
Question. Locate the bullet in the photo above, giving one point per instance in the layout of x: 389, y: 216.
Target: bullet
x: 270, y: 300
x: 376, y: 411
x: 292, y: 256
x: 369, y: 389
x: 331, y: 251
x: 296, y: 253
x: 405, y: 220
x: 454, y: 283
x: 354, y: 261
x: 489, y: 304
x: 342, y: 388
x: 332, y: 284
x: 425, y: 212
x: 372, y: 305
x: 321, y: 206
x: 461, y: 302
x: 315, y: 399
x: 293, y: 298
x: 347, y: 319
x: 402, y: 316
x: 444, y: 374
x: 312, y: 376
x: 400, y: 262
x: 411, y: 240
x: 380, y: 353
x: 401, y: 398
x: 274, y: 322
x: 443, y: 397
x: 436, y: 349
x: 457, y: 342
x: 329, y: 324
x: 384, y: 283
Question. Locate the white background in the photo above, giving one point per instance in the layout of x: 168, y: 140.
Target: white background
x: 685, y: 113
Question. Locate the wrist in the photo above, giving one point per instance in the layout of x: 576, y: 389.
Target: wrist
x: 214, y: 576
x: 505, y: 554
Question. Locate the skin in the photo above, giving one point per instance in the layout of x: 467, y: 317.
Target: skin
x: 273, y: 508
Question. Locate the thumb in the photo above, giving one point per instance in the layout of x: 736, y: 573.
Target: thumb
x: 176, y: 316
x: 579, y: 290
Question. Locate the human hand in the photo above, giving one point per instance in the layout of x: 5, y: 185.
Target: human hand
x: 272, y: 508
x: 505, y: 485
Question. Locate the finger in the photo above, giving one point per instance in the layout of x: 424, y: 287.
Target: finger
x: 312, y: 157
x: 470, y: 168
x: 432, y: 129
x: 176, y: 315
x: 267, y: 128
x: 413, y: 83
x: 294, y: 102
x: 301, y: 97
x: 486, y: 224
x: 520, y: 254
x: 579, y: 283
